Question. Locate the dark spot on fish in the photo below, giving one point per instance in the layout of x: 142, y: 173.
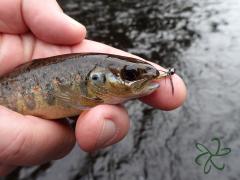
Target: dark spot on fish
x: 48, y: 95
x: 59, y: 80
x: 44, y: 75
x: 29, y: 100
x: 50, y: 99
x: 36, y: 80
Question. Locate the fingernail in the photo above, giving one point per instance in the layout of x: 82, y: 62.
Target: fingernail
x: 107, y: 134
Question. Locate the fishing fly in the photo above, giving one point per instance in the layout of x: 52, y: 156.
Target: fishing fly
x: 168, y: 73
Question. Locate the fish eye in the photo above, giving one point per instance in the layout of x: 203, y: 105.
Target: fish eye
x: 129, y: 73
x: 98, y: 78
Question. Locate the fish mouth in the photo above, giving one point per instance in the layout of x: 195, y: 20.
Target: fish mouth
x: 150, y: 88
x: 146, y: 88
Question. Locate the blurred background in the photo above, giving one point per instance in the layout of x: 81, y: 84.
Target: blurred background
x: 201, y: 39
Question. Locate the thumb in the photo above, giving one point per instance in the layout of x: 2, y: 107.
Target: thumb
x: 101, y: 126
x: 47, y: 21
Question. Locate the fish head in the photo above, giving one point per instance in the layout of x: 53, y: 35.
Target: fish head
x: 120, y: 81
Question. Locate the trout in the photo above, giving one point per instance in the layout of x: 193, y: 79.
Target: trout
x: 62, y: 86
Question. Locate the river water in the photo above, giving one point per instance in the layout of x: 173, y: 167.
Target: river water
x: 201, y: 39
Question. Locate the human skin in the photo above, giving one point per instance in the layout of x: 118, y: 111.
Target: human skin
x: 31, y: 29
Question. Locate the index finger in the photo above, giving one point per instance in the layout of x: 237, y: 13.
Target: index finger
x: 162, y: 98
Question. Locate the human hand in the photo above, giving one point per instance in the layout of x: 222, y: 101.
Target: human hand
x: 32, y: 29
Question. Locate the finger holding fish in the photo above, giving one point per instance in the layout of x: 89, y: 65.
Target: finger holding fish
x: 101, y: 126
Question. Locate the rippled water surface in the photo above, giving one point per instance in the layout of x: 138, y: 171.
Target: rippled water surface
x: 201, y: 39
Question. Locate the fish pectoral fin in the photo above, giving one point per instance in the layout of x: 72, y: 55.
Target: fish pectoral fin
x: 75, y: 100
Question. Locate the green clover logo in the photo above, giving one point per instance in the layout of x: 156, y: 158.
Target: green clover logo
x: 206, y: 152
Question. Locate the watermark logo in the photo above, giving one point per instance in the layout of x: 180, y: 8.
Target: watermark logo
x: 210, y: 156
